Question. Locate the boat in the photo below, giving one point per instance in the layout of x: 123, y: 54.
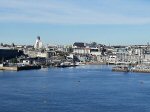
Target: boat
x: 66, y: 64
x: 121, y: 69
x: 79, y: 63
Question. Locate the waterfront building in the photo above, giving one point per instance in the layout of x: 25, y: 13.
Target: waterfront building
x: 80, y: 48
x: 146, y: 57
x: 33, y: 61
x: 46, y: 54
x: 112, y: 59
x: 8, y: 53
x: 30, y: 53
x: 87, y: 52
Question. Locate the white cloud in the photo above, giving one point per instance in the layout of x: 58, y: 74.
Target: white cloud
x: 50, y: 11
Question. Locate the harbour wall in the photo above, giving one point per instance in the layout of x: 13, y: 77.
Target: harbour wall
x: 16, y: 68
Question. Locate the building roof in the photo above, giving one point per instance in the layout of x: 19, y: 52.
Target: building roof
x: 79, y: 44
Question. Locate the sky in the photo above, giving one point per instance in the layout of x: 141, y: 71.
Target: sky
x: 110, y: 22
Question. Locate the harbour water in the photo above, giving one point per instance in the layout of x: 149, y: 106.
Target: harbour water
x: 91, y: 88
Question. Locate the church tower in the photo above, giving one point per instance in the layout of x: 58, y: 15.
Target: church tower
x: 38, y: 44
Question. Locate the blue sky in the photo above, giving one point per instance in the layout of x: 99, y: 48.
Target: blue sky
x: 66, y: 21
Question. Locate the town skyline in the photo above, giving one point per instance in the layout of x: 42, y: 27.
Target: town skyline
x: 117, y: 22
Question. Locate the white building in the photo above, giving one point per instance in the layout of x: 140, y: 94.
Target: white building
x: 38, y: 44
x: 81, y: 50
x: 112, y: 59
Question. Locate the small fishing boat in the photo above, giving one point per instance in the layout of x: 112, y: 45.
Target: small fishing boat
x: 121, y: 69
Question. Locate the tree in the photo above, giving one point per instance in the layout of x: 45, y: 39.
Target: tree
x: 13, y: 60
x: 1, y: 44
x: 13, y: 45
x: 93, y: 44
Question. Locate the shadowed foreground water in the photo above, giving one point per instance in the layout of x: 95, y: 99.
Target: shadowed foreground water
x: 82, y: 89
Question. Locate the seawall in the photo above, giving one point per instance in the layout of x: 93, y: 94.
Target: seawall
x: 16, y: 68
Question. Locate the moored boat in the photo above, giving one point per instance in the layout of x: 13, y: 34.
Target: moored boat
x: 66, y: 64
x: 120, y: 69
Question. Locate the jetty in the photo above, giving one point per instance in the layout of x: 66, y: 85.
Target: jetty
x: 140, y: 69
x: 18, y: 68
x: 137, y: 68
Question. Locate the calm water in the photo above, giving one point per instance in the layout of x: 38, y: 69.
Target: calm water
x: 82, y: 89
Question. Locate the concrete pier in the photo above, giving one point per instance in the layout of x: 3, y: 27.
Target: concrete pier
x: 9, y: 68
x: 18, y: 68
x: 141, y: 70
